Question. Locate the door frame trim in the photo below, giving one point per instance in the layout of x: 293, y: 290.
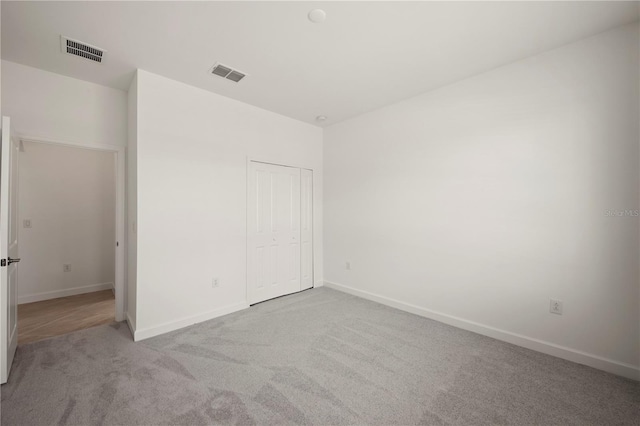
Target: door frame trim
x: 275, y: 163
x: 246, y: 218
x: 120, y: 170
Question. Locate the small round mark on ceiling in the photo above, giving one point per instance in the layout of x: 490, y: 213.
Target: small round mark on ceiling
x: 321, y: 118
x: 317, y: 16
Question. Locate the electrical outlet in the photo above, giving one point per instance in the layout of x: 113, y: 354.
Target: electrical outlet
x: 26, y: 223
x: 555, y: 306
x: 66, y: 267
x: 215, y: 283
x: 347, y: 266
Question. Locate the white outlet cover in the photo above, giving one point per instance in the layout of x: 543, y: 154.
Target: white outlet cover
x: 555, y: 306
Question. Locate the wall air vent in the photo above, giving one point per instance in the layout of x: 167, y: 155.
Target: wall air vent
x: 227, y: 72
x: 84, y: 50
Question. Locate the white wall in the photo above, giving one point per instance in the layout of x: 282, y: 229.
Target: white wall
x: 68, y: 194
x: 50, y: 106
x: 192, y: 149
x: 0, y: 63
x: 478, y: 202
x: 132, y: 202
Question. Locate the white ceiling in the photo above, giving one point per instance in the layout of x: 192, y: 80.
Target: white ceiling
x: 364, y: 56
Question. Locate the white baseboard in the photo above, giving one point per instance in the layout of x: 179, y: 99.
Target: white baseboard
x: 37, y: 297
x: 185, y: 322
x: 622, y: 369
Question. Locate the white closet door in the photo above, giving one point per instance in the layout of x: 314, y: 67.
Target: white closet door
x: 306, y: 228
x: 273, y: 231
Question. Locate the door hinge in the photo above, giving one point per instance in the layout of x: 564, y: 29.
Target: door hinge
x: 3, y: 262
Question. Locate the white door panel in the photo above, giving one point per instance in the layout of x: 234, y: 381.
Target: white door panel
x: 290, y: 236
x: 273, y: 229
x: 306, y: 228
x: 8, y: 250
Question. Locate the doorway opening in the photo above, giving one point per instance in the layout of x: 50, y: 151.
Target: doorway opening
x: 67, y: 233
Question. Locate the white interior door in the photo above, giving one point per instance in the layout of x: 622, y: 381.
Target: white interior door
x: 8, y: 249
x: 273, y: 241
x: 306, y: 229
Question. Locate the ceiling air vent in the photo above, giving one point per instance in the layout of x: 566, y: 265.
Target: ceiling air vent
x: 84, y: 50
x: 227, y: 72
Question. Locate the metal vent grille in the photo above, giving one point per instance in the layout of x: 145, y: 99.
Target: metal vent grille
x: 84, y: 50
x: 227, y: 72
x: 235, y: 76
x: 221, y: 70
